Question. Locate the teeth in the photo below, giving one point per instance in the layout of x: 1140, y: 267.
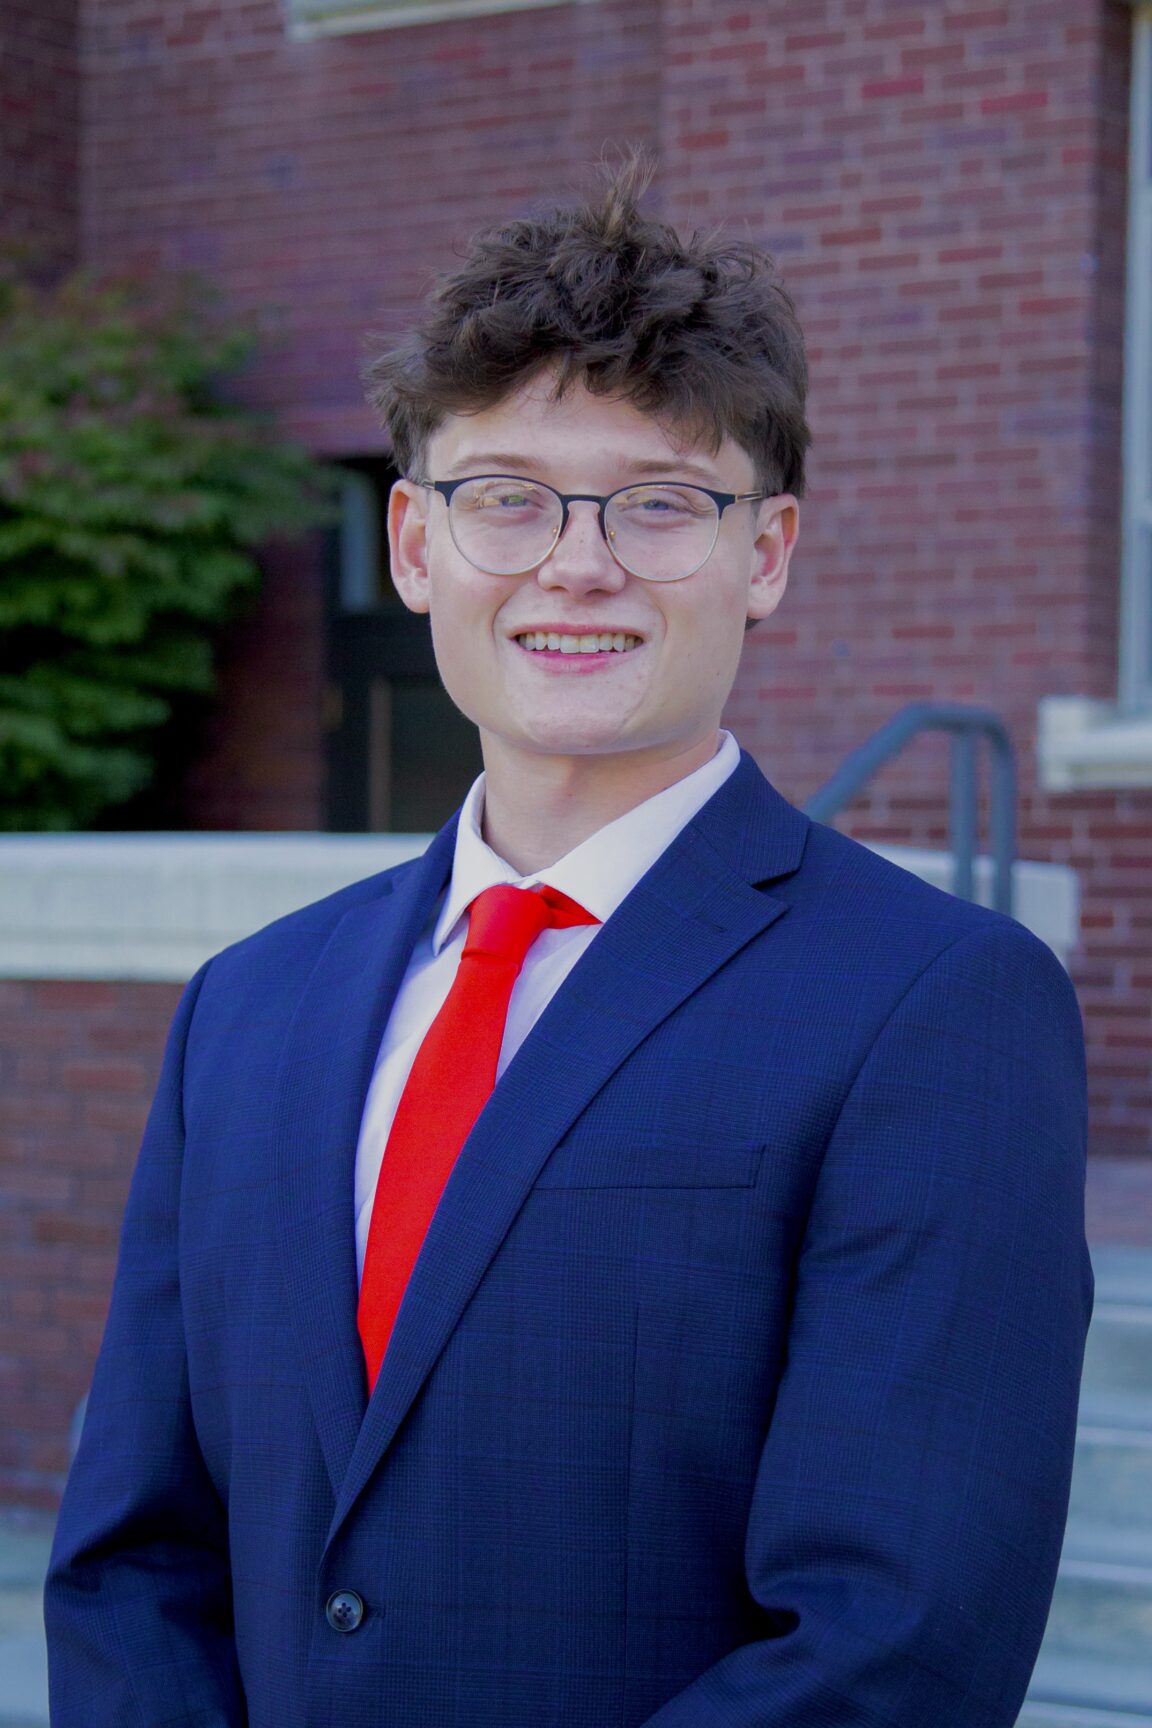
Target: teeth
x: 602, y: 643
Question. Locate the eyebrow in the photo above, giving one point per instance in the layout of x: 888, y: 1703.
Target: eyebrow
x: 516, y: 463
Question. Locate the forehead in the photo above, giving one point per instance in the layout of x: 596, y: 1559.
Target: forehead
x: 531, y: 431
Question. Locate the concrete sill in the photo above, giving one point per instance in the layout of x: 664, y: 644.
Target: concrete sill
x: 1083, y: 744
x: 311, y: 18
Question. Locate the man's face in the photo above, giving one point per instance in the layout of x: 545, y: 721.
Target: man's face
x: 661, y: 697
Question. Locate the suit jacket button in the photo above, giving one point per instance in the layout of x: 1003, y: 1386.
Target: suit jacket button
x: 345, y: 1610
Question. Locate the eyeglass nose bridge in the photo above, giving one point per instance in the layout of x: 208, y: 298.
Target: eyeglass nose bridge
x: 566, y: 499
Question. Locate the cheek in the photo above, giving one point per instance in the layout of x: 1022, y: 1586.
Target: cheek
x: 459, y: 651
x: 464, y: 608
x: 708, y: 641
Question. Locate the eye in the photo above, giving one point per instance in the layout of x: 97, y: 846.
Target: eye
x: 663, y: 503
x: 511, y: 496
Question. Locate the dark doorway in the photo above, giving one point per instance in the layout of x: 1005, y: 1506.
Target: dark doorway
x: 400, y: 755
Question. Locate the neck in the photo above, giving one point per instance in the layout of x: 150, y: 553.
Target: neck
x: 537, y: 807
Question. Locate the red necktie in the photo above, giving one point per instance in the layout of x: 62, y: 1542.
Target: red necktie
x: 454, y: 1071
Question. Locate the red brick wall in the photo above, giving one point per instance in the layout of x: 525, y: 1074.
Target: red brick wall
x: 78, y: 1065
x: 39, y: 130
x: 945, y: 188
x: 325, y: 180
x: 932, y: 180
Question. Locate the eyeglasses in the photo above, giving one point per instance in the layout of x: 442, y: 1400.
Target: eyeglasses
x: 507, y: 526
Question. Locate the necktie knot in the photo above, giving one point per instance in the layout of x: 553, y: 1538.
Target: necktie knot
x: 504, y: 921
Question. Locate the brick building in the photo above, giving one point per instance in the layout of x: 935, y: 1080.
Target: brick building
x: 960, y: 195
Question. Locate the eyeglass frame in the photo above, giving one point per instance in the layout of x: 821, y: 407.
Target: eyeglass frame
x: 722, y: 501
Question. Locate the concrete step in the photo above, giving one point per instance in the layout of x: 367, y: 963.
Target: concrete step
x: 1095, y: 1667
x: 23, y: 1663
x: 1122, y: 1274
x: 1100, y: 1408
x: 1117, y: 1690
x: 1108, y: 1542
x: 1112, y: 1486
x: 1118, y: 1358
x: 1116, y: 1391
x: 24, y: 1546
x: 1036, y: 1715
x: 1102, y: 1613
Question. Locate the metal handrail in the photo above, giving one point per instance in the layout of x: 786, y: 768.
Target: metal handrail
x: 966, y: 726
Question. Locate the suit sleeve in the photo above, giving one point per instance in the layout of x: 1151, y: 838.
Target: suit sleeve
x: 910, y: 1503
x: 138, y: 1602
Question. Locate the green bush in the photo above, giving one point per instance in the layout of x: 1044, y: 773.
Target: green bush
x: 133, y: 492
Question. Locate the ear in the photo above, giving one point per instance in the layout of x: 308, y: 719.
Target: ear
x: 408, y: 543
x: 777, y: 530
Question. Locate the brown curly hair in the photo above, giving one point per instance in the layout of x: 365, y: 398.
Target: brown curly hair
x: 699, y: 333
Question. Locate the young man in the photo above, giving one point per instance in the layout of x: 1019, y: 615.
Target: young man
x: 627, y: 1266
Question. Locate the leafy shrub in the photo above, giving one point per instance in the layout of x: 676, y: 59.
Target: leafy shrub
x: 133, y: 492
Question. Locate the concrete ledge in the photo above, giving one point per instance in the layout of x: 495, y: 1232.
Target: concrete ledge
x: 310, y: 18
x: 155, y: 906
x: 1082, y: 743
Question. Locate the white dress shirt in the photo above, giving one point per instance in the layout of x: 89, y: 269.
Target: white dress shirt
x: 598, y: 874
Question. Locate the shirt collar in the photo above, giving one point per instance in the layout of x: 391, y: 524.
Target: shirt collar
x: 603, y: 869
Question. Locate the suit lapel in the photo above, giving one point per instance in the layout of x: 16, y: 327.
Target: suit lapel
x: 321, y: 1085
x: 690, y: 914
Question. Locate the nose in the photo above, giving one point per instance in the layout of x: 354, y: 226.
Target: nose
x: 580, y: 560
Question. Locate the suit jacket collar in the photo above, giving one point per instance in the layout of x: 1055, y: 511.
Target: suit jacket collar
x: 694, y: 909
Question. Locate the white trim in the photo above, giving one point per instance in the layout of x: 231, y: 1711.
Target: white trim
x: 155, y: 906
x: 1135, y: 673
x: 1083, y: 743
x: 307, y: 19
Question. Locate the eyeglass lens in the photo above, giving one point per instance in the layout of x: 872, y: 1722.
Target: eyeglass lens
x: 659, y: 532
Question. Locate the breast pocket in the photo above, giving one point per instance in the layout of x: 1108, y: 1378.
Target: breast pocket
x: 617, y: 1163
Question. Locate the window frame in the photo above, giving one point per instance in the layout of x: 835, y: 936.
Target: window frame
x: 1135, y: 668
x: 307, y: 19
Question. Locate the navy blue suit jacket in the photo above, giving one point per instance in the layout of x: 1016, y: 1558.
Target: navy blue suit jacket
x: 735, y: 1384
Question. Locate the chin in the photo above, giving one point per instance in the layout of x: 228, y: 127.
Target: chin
x: 578, y: 744
x: 560, y: 737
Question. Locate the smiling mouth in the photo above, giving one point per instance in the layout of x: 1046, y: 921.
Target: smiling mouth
x: 601, y: 642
